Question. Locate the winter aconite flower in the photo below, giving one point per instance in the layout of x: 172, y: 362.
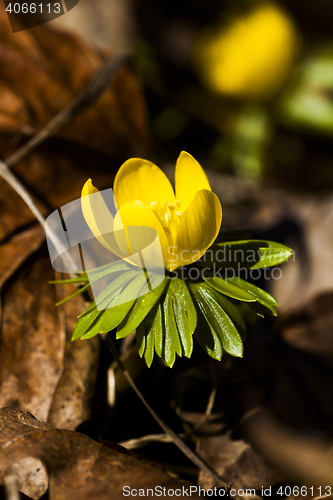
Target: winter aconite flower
x: 252, y: 57
x: 166, y: 309
x: 186, y: 222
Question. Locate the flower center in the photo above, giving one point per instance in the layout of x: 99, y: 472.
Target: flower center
x: 169, y: 215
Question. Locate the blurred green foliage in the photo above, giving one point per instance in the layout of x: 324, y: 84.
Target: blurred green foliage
x: 285, y: 137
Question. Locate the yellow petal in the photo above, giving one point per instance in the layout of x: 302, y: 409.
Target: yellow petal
x: 140, y: 235
x: 98, y: 216
x: 198, y: 228
x: 143, y: 181
x: 190, y: 178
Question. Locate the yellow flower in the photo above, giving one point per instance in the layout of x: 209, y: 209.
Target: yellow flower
x: 186, y: 223
x: 252, y: 57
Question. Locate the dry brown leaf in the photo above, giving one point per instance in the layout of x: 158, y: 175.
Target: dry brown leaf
x: 30, y: 472
x: 310, y: 329
x: 79, y: 468
x: 71, y: 403
x: 15, y: 251
x: 31, y: 475
x: 235, y: 461
x: 14, y: 212
x: 297, y: 456
x: 41, y: 370
x: 33, y: 353
x: 43, y: 71
x: 57, y: 171
x: 32, y: 341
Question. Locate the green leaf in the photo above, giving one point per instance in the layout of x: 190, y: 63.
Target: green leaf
x: 135, y: 278
x: 207, y: 338
x: 262, y: 308
x: 96, y: 274
x: 92, y: 321
x: 85, y: 323
x: 141, y: 339
x: 115, y: 303
x: 249, y: 136
x: 233, y: 312
x: 172, y: 344
x: 80, y: 279
x: 94, y: 328
x: 270, y: 257
x: 307, y: 104
x: 112, y: 289
x: 249, y: 315
x: 114, y: 315
x: 122, y: 302
x: 148, y: 331
x: 184, y: 313
x: 122, y: 266
x: 260, y: 295
x: 149, y: 350
x: 142, y: 307
x: 75, y: 294
x: 228, y: 288
x: 246, y: 254
x: 218, y: 319
x: 158, y: 330
x: 310, y: 109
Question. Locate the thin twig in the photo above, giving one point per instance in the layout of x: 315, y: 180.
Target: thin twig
x: 191, y: 455
x: 207, y: 414
x: 97, y: 85
x: 14, y: 182
x: 133, y: 444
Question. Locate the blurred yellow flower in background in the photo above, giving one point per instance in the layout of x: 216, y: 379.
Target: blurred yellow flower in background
x: 252, y: 57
